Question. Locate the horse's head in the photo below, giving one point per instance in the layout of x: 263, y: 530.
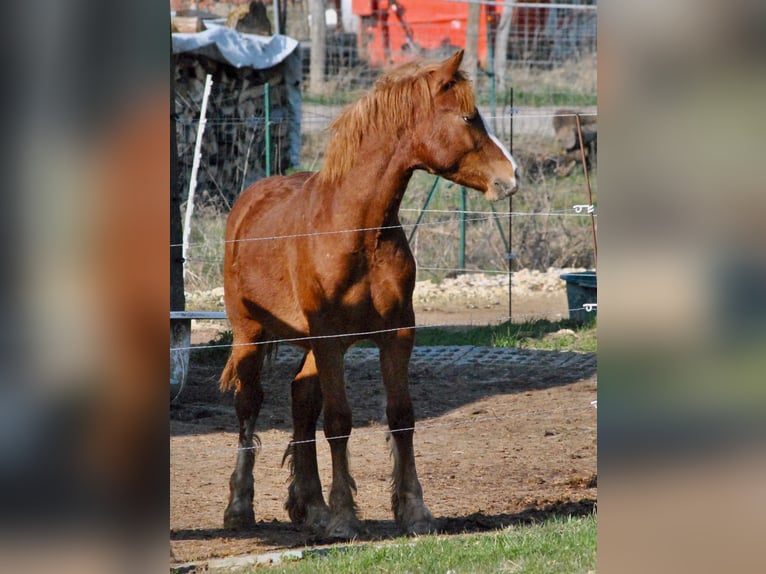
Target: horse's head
x: 453, y: 141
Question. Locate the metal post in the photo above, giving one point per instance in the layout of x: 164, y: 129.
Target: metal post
x: 496, y: 218
x: 267, y: 126
x: 510, y: 219
x: 461, y: 254
x: 422, y: 213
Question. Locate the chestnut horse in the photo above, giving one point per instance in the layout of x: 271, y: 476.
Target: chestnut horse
x: 321, y: 258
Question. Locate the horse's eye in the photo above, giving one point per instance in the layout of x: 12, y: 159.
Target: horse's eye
x: 469, y: 119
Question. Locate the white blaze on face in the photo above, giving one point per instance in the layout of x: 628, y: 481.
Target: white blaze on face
x: 499, y: 144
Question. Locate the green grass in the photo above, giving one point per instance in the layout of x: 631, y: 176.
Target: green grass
x: 333, y: 98
x: 522, y: 97
x: 568, y: 98
x: 559, y: 545
x: 205, y: 257
x: 539, y: 334
x: 214, y: 351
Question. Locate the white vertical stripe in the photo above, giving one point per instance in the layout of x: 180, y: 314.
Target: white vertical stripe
x: 499, y: 144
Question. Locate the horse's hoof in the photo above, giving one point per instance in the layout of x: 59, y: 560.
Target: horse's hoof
x: 317, y: 518
x: 427, y: 526
x: 416, y: 519
x: 344, y: 527
x: 241, y: 519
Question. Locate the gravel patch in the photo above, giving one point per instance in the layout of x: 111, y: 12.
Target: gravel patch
x: 469, y: 290
x: 483, y: 290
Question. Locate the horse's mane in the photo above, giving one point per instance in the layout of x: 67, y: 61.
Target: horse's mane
x: 387, y: 110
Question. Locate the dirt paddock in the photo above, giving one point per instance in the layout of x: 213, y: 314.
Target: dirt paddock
x: 504, y: 436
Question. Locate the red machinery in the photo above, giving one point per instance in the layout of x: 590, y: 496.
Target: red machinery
x: 392, y: 31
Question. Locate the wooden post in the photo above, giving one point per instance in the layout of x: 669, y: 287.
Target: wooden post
x: 490, y: 22
x: 501, y: 46
x: 275, y: 9
x: 180, y: 329
x: 471, y: 56
x: 587, y: 183
x: 318, y: 46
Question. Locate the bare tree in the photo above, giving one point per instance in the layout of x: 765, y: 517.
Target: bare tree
x: 318, y: 42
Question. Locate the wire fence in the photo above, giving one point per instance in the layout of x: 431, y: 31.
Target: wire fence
x: 537, y: 35
x: 542, y: 226
x: 550, y: 224
x: 530, y: 96
x: 443, y: 425
x: 236, y: 149
x: 587, y: 307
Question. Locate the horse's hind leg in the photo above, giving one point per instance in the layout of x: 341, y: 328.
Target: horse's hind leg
x: 305, y: 503
x: 410, y: 512
x: 244, y: 369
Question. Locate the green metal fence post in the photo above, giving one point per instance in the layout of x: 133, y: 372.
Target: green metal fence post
x: 424, y: 208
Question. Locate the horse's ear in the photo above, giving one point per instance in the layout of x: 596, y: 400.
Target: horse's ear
x: 453, y: 62
x: 446, y: 71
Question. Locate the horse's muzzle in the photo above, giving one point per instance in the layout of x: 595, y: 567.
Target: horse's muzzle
x: 502, y: 188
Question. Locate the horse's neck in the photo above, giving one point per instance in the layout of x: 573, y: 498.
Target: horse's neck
x: 370, y: 193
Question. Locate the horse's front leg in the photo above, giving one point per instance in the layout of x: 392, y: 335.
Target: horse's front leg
x: 344, y: 523
x: 410, y: 512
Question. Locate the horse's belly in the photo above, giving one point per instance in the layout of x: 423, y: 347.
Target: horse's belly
x: 265, y: 295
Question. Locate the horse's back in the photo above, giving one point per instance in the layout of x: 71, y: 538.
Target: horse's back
x: 261, y: 205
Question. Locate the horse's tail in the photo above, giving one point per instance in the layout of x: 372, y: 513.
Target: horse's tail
x: 229, y: 376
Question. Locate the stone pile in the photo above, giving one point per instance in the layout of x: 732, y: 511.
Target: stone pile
x: 483, y: 290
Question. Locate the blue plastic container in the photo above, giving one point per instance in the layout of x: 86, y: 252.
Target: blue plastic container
x: 581, y: 295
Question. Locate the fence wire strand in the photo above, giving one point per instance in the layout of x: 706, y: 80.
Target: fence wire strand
x: 387, y: 432
x: 488, y: 215
x: 362, y: 334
